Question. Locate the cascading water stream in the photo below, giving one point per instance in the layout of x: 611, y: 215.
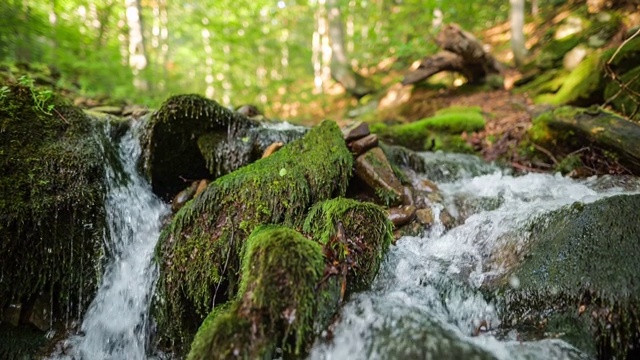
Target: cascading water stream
x: 116, y: 325
x: 425, y: 300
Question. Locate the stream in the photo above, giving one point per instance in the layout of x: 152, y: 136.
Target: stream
x: 116, y: 325
x: 425, y: 301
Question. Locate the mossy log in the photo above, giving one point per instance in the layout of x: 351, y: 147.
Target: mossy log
x: 200, y: 251
x: 51, y: 203
x: 292, y: 286
x: 462, y: 53
x: 567, y: 128
x: 580, y: 279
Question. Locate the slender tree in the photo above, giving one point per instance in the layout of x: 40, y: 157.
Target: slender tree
x: 341, y: 69
x: 137, y: 54
x: 516, y: 16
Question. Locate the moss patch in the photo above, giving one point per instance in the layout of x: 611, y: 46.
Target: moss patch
x: 202, y: 248
x: 368, y: 236
x: 51, y: 203
x: 277, y: 300
x: 445, y: 123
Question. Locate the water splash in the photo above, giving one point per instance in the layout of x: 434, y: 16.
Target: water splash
x: 425, y: 301
x: 116, y: 325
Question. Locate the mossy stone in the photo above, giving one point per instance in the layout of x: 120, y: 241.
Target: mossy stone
x: 581, y: 275
x: 276, y: 303
x: 51, y: 202
x: 200, y: 251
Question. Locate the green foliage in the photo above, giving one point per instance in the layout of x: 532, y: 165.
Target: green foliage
x: 40, y: 96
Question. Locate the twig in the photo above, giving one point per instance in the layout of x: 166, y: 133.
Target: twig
x: 525, y: 168
x: 61, y: 117
x: 546, y: 152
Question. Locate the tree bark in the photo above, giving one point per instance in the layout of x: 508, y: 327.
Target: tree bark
x: 516, y: 18
x: 341, y: 70
x: 137, y: 54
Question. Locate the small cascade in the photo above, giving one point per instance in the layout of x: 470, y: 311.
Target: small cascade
x: 116, y: 325
x: 426, y: 301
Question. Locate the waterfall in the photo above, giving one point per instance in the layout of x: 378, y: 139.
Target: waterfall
x: 425, y: 301
x: 116, y: 325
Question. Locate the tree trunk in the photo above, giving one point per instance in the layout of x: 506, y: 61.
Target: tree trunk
x: 341, y: 70
x: 516, y: 17
x: 137, y: 56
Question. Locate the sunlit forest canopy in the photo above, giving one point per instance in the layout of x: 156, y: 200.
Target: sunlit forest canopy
x: 272, y: 53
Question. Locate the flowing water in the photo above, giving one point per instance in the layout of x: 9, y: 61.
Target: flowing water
x: 116, y: 325
x: 425, y: 301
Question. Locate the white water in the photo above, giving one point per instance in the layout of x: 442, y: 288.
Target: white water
x: 424, y: 302
x: 116, y: 325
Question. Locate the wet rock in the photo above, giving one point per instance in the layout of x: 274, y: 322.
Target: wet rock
x: 425, y: 216
x: 183, y: 196
x: 355, y: 131
x: 374, y: 169
x: 361, y: 145
x: 249, y: 111
x: 407, y: 196
x: 39, y: 314
x: 411, y: 229
x: 447, y: 220
x: 400, y: 216
x: 579, y: 278
x: 271, y: 149
x: 11, y: 314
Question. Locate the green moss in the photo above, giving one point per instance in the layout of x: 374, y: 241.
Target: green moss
x: 201, y: 250
x: 367, y: 229
x: 553, y: 51
x: 277, y: 300
x: 582, y: 84
x: 449, y: 121
x: 584, y: 255
x: 51, y: 203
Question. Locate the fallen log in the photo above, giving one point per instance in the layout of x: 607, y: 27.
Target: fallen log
x: 462, y: 53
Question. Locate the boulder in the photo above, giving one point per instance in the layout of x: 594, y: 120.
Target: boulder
x: 364, y: 144
x: 579, y: 278
x: 51, y: 202
x: 374, y: 169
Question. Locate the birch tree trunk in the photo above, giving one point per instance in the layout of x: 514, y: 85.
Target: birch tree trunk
x: 137, y: 56
x: 516, y: 17
x: 341, y: 70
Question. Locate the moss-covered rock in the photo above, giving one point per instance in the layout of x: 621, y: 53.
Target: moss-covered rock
x: 580, y: 278
x: 51, y: 202
x: 433, y: 133
x: 183, y: 138
x: 276, y: 302
x: 582, y: 86
x: 566, y: 129
x: 200, y: 251
x: 291, y: 286
x: 368, y: 235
